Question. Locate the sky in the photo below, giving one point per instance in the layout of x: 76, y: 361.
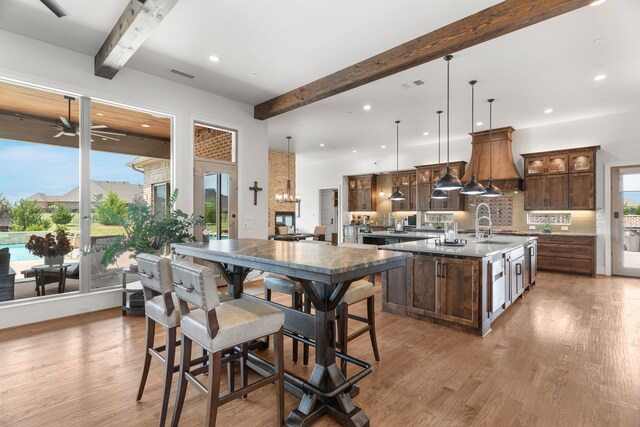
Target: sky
x: 28, y: 168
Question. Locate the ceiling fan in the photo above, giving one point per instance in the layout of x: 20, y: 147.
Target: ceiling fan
x: 55, y: 8
x: 67, y: 128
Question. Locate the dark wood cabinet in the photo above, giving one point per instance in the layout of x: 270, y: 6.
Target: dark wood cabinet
x: 427, y: 177
x: 561, y: 179
x: 446, y: 288
x: 406, y: 182
x: 567, y: 254
x: 362, y: 193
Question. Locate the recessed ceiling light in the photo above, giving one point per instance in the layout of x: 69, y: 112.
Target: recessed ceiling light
x: 214, y: 58
x: 99, y: 114
x: 355, y: 151
x: 425, y: 133
x: 366, y: 107
x: 597, y: 2
x: 598, y: 40
x: 254, y: 74
x: 145, y: 125
x: 479, y: 123
x: 548, y: 111
x: 599, y: 77
x: 321, y: 145
x: 383, y: 146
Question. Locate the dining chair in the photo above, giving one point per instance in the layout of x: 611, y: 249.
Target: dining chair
x: 217, y: 327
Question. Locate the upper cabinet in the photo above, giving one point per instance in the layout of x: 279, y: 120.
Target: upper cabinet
x: 406, y: 181
x: 427, y: 176
x: 560, y: 179
x: 362, y: 193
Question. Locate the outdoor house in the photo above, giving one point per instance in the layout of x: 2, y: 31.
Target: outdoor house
x: 416, y: 213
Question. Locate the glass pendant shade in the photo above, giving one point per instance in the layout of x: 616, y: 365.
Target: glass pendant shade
x: 473, y: 187
x: 491, y: 190
x: 439, y: 195
x: 397, y: 195
x: 448, y: 182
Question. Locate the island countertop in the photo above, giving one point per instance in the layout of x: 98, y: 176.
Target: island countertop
x: 409, y: 235
x: 474, y: 249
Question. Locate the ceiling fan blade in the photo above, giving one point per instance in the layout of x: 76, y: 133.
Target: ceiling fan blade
x: 100, y: 132
x: 106, y: 137
x: 22, y: 116
x: 55, y: 8
x: 99, y: 126
x: 65, y: 122
x: 58, y: 135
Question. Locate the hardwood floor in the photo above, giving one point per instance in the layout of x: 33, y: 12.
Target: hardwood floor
x: 567, y: 354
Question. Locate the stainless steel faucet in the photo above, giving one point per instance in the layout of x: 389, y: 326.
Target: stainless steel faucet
x: 483, y: 222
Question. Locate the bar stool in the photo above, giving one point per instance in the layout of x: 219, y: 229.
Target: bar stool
x: 359, y: 290
x: 216, y: 327
x: 280, y: 283
x: 161, y: 306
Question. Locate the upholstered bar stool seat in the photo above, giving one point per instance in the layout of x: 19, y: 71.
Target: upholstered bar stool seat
x: 155, y: 309
x: 358, y: 291
x: 220, y: 329
x: 239, y: 321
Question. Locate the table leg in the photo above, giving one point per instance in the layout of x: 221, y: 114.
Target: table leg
x: 326, y: 375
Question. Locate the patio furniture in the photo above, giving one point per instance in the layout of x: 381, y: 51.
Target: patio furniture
x: 43, y: 271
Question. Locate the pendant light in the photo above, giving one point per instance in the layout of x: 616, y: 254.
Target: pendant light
x: 397, y: 195
x: 449, y: 181
x: 491, y: 190
x: 288, y: 196
x: 473, y: 187
x: 439, y: 194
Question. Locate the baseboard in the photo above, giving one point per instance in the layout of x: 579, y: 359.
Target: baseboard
x: 34, y: 310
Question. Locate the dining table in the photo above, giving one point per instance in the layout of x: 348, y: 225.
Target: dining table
x: 325, y: 273
x: 296, y: 236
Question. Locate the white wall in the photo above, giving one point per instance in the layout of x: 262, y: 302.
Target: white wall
x: 35, y: 62
x: 614, y: 133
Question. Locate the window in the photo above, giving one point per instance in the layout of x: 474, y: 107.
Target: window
x: 161, y: 195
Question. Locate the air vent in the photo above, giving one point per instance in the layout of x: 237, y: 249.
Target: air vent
x: 418, y: 82
x: 182, y: 73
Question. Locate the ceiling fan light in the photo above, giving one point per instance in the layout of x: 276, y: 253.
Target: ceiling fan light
x: 397, y: 195
x: 491, y: 190
x: 473, y: 187
x: 448, y: 182
x: 439, y: 195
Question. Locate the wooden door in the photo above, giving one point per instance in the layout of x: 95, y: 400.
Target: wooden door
x: 424, y: 293
x: 353, y: 203
x: 459, y: 291
x: 534, y: 194
x: 423, y: 195
x: 363, y: 200
x: 557, y: 189
x: 582, y: 191
x: 412, y: 198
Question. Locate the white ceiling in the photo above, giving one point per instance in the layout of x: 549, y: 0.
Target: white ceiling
x: 289, y: 43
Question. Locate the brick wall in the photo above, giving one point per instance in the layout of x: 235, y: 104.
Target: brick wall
x: 213, y: 144
x: 278, y: 182
x: 155, y: 173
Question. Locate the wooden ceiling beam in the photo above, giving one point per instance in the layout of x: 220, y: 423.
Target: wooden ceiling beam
x: 495, y: 21
x: 134, y: 26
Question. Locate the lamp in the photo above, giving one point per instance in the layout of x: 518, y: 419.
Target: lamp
x: 288, y: 196
x: 473, y: 187
x: 449, y: 181
x: 491, y: 190
x: 397, y: 195
x: 439, y: 194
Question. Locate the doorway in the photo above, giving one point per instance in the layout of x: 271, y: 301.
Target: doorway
x: 329, y: 210
x: 625, y: 220
x: 216, y: 181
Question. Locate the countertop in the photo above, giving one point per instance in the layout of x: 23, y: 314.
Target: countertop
x: 534, y: 233
x: 499, y: 244
x: 404, y: 235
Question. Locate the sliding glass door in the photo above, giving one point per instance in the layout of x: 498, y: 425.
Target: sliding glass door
x: 625, y: 226
x: 215, y: 193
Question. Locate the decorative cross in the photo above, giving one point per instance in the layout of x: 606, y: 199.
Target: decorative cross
x: 255, y: 190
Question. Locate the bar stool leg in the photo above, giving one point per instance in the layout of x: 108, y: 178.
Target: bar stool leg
x: 231, y: 376
x: 169, y: 362
x: 151, y: 330
x: 278, y: 339
x: 267, y: 296
x: 185, y: 365
x: 343, y: 333
x: 372, y: 326
x: 214, y: 387
x: 296, y: 304
x: 243, y: 367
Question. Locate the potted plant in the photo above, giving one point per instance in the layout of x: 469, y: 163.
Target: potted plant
x: 146, y: 231
x: 52, y: 248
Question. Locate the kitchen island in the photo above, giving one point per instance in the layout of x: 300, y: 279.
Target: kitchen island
x: 389, y: 237
x: 462, y: 287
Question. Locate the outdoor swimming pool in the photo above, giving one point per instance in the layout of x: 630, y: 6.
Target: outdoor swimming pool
x: 20, y: 253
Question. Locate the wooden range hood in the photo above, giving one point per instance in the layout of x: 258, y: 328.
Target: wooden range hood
x: 505, y: 174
